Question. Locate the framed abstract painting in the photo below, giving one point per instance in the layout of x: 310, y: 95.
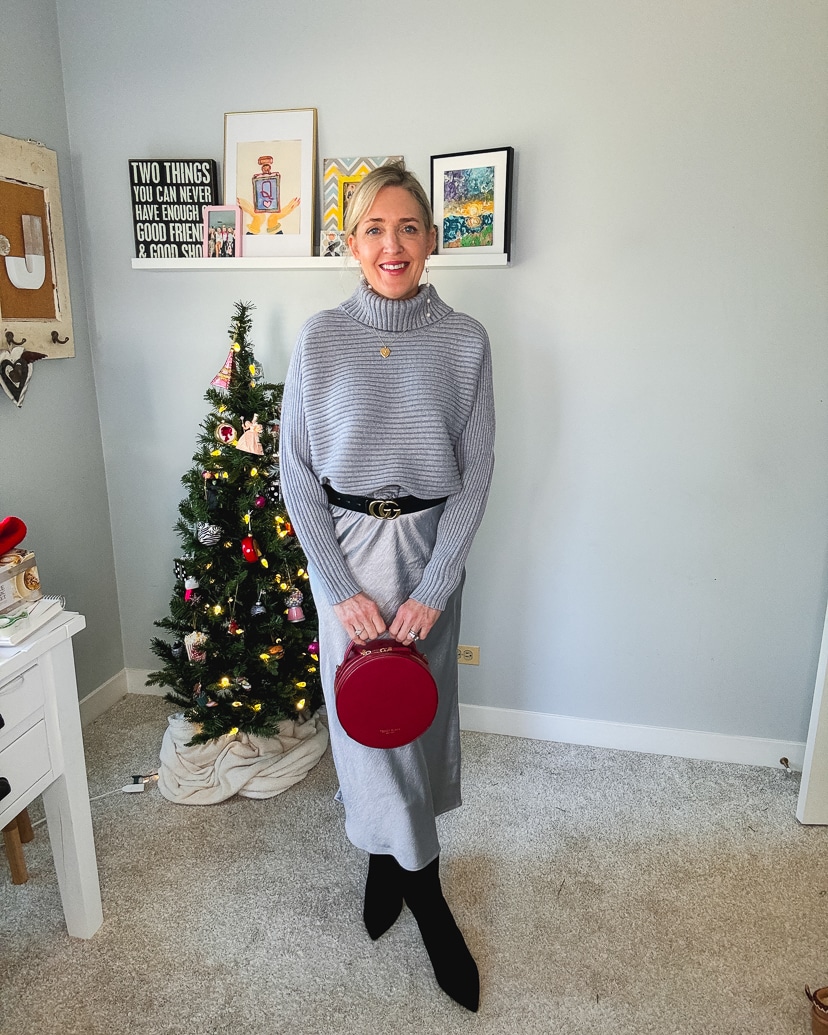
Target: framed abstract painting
x: 269, y: 172
x: 471, y: 194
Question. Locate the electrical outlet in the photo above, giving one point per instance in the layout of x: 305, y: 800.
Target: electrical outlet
x: 468, y: 655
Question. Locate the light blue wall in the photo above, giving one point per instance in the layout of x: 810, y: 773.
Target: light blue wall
x: 655, y: 547
x: 52, y: 471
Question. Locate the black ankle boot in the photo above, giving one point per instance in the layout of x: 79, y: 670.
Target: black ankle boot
x: 453, y: 964
x: 383, y: 894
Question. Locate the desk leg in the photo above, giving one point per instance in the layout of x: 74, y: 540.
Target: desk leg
x: 70, y: 832
x: 66, y: 802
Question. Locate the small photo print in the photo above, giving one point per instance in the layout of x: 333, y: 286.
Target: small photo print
x: 332, y: 244
x: 222, y: 232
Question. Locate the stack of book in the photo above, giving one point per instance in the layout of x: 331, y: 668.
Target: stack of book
x: 17, y: 624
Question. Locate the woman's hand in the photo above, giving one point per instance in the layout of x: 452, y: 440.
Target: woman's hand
x: 360, y: 618
x: 413, y: 617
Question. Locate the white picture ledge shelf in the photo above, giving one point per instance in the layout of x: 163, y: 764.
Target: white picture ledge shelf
x: 464, y: 261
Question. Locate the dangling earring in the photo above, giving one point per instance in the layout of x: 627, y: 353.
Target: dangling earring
x: 428, y: 293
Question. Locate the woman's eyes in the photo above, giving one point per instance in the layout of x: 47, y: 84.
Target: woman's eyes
x: 408, y: 230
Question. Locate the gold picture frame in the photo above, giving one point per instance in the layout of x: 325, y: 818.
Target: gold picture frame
x: 270, y: 173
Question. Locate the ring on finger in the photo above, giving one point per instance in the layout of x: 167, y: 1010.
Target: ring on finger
x: 412, y: 635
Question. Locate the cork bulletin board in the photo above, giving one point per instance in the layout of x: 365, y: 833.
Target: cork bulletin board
x: 34, y: 279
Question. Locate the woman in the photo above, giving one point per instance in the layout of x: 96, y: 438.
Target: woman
x: 389, y: 398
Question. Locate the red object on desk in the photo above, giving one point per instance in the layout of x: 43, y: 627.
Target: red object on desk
x: 12, y: 532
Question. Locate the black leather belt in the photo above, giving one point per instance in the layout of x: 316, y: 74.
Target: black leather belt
x: 385, y: 509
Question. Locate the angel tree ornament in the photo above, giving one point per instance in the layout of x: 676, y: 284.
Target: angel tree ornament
x: 249, y: 440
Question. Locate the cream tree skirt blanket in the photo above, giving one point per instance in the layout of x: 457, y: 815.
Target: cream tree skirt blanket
x: 254, y: 767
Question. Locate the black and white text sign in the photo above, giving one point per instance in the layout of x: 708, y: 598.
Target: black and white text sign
x: 168, y: 200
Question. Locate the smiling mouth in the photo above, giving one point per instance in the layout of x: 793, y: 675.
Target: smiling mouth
x: 393, y: 267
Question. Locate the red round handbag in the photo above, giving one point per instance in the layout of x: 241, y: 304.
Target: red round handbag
x: 385, y: 694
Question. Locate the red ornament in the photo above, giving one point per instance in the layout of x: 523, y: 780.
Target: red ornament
x: 250, y: 549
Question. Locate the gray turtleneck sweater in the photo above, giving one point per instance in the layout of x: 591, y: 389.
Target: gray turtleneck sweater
x: 419, y: 422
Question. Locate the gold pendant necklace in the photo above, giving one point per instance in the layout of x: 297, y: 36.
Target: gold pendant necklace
x: 385, y: 350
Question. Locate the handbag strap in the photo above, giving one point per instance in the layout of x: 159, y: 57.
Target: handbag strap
x: 383, y: 646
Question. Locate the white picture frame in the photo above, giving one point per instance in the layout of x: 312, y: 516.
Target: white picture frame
x: 277, y: 198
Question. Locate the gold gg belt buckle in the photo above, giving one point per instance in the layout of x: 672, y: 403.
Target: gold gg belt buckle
x: 385, y: 509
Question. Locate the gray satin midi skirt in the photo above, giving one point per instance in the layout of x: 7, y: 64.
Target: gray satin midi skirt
x: 392, y: 796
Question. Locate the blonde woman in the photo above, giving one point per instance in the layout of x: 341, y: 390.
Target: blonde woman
x: 386, y: 456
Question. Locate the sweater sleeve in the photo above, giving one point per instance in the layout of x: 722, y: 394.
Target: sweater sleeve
x: 463, y: 511
x: 306, y: 501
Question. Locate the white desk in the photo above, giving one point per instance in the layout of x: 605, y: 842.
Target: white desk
x: 41, y: 752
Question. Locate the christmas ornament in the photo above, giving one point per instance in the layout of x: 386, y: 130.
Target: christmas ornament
x: 272, y: 489
x: 226, y: 434
x: 177, y: 649
x: 276, y: 651
x: 222, y: 378
x: 249, y: 440
x: 191, y: 584
x: 295, y: 612
x: 194, y: 645
x: 259, y: 501
x: 209, y: 535
x: 180, y: 570
x: 256, y: 371
x: 250, y: 549
x: 313, y: 648
x: 258, y: 609
x: 211, y: 496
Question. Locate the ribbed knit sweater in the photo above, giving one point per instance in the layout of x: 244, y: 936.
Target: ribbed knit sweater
x: 419, y: 422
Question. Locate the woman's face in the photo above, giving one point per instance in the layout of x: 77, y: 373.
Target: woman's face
x: 392, y: 243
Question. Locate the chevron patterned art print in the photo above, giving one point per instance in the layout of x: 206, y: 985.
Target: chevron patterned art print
x: 340, y: 176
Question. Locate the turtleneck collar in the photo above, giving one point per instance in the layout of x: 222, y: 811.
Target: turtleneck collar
x: 389, y: 314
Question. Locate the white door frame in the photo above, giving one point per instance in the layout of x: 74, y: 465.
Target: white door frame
x: 812, y: 807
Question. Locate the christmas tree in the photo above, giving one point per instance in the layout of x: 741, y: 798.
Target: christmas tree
x: 244, y: 654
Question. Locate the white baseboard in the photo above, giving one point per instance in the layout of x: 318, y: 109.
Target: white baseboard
x: 655, y: 740
x: 566, y: 729
x: 137, y: 682
x: 101, y: 700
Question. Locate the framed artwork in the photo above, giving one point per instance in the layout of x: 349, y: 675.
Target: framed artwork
x: 471, y: 193
x: 222, y: 232
x: 269, y: 172
x: 340, y: 177
x: 34, y: 279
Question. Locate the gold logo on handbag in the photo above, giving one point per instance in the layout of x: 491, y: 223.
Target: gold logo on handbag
x: 386, y: 509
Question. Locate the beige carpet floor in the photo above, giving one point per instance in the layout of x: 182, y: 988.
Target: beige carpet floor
x: 602, y: 892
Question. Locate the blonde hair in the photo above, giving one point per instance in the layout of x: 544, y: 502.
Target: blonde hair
x: 393, y: 175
